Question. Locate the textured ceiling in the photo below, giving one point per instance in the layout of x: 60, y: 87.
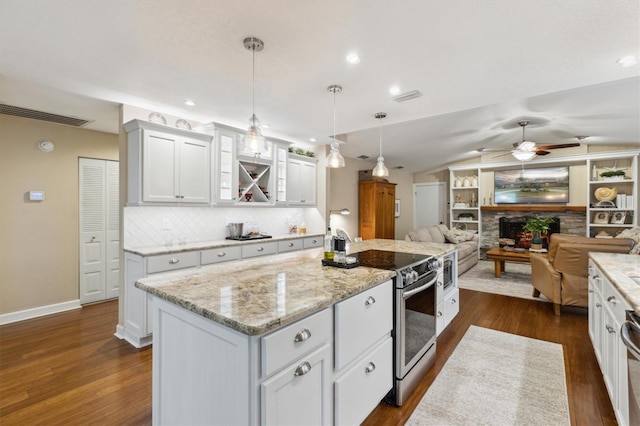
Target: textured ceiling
x: 481, y: 65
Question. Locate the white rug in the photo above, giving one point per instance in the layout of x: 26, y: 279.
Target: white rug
x: 497, y: 378
x: 515, y: 281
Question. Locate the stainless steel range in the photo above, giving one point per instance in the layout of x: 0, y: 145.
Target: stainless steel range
x: 414, y: 330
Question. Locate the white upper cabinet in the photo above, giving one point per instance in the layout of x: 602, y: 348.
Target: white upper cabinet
x: 167, y: 165
x: 301, y: 180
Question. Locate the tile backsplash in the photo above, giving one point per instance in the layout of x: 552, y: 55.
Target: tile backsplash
x: 147, y: 226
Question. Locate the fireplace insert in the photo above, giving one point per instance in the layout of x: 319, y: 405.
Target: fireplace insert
x: 511, y: 229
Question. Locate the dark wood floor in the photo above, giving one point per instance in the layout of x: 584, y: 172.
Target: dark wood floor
x: 70, y: 369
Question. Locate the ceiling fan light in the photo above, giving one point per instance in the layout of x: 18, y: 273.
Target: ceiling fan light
x: 527, y: 146
x: 380, y: 170
x: 523, y: 155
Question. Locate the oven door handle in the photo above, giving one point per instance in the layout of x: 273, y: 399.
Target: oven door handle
x: 411, y: 292
x: 627, y: 328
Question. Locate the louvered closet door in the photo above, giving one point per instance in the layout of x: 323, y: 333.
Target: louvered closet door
x: 99, y: 254
x: 113, y: 230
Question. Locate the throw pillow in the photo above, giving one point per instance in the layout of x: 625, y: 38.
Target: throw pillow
x: 634, y: 234
x: 456, y: 236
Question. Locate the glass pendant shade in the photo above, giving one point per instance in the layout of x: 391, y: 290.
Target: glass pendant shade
x: 380, y: 170
x: 334, y: 158
x: 253, y: 136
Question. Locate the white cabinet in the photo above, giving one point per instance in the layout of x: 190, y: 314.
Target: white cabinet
x: 448, y: 299
x: 363, y: 353
x: 167, y: 165
x: 606, y: 315
x: 300, y: 393
x: 607, y: 218
x: 281, y: 174
x: 301, y: 180
x: 226, y: 169
x: 137, y: 322
x: 285, y: 377
x: 137, y: 325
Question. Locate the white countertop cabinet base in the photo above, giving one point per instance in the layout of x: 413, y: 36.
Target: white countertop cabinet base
x: 206, y: 373
x: 606, y: 314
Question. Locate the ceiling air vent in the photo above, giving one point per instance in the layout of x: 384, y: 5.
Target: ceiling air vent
x: 363, y: 157
x: 43, y: 116
x: 402, y: 97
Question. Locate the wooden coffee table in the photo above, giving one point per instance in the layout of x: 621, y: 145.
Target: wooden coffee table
x: 500, y: 256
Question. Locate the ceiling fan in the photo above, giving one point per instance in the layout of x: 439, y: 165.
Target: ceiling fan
x: 527, y: 150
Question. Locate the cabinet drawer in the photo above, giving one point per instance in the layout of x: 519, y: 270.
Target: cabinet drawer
x: 367, y: 382
x: 362, y: 320
x: 289, y: 245
x: 280, y: 347
x: 612, y: 298
x: 253, y: 250
x: 222, y: 254
x: 171, y: 262
x: 311, y: 242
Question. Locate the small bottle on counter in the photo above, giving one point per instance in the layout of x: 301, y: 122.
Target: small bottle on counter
x: 303, y: 229
x: 328, y: 246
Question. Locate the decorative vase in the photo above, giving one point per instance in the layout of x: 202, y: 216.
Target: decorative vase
x: 457, y: 182
x: 536, y: 240
x: 474, y: 181
x: 466, y: 182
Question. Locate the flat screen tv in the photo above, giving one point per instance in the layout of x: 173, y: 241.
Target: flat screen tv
x: 543, y: 185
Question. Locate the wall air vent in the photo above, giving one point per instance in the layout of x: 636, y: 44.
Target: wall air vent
x: 363, y: 157
x: 402, y: 97
x: 42, y: 116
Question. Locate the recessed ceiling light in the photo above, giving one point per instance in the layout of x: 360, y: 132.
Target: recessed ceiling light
x: 189, y: 102
x: 395, y: 90
x: 312, y: 139
x: 628, y: 61
x: 353, y: 58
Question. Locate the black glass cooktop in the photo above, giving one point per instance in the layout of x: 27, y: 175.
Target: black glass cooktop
x: 249, y: 237
x: 389, y: 260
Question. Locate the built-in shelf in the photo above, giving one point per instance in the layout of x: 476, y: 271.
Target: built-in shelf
x: 536, y: 208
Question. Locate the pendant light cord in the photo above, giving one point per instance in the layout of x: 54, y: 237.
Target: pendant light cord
x: 253, y: 100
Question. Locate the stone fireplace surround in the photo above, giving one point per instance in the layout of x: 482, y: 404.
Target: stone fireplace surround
x: 573, y: 220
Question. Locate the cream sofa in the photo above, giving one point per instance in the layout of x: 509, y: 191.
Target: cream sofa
x: 467, y: 250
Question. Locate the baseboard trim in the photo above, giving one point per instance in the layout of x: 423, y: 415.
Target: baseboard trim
x: 40, y: 311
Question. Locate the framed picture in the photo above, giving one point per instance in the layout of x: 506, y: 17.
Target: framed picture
x: 397, y: 208
x: 601, y: 217
x: 618, y: 217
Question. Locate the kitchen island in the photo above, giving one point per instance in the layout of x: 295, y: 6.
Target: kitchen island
x: 253, y: 342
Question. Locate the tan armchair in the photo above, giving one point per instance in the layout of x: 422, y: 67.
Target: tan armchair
x: 561, y: 274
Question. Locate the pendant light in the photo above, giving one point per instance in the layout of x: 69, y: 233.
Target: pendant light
x: 253, y: 136
x: 335, y: 159
x: 380, y: 170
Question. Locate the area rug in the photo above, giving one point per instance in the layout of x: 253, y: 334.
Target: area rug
x: 497, y: 378
x: 515, y: 281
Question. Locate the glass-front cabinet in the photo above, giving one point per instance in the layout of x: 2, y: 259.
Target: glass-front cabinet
x: 226, y: 167
x: 612, y: 194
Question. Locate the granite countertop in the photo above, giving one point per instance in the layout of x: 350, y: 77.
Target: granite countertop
x: 204, y: 245
x: 256, y: 296
x: 623, y: 271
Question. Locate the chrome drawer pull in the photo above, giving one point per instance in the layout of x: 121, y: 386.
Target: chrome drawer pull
x: 290, y: 244
x: 453, y: 301
x: 598, y: 305
x: 439, y: 284
x: 260, y: 248
x: 610, y: 329
x: 314, y: 241
x: 370, y: 368
x: 173, y: 261
x: 439, y: 314
x: 222, y: 254
x: 302, y: 335
x: 302, y: 369
x: 92, y: 239
x: 590, y: 291
x: 612, y: 299
x: 370, y: 301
